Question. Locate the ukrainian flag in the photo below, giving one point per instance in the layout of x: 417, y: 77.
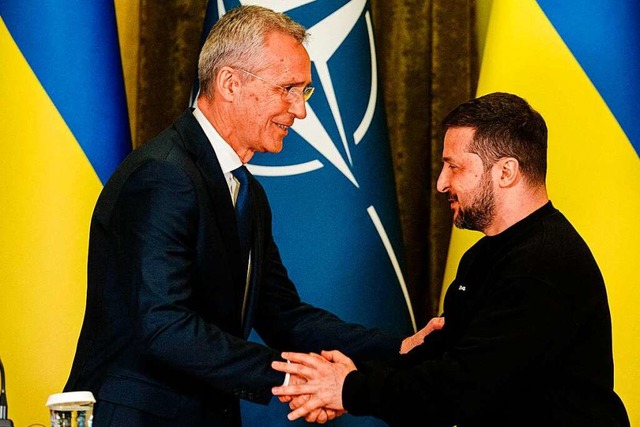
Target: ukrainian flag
x: 64, y: 130
x: 578, y: 64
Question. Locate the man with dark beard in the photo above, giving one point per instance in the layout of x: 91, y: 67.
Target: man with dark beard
x: 527, y: 336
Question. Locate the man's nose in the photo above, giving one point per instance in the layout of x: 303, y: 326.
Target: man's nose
x: 442, y: 185
x: 298, y: 107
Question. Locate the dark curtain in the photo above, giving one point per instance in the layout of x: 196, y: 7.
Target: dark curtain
x: 428, y: 64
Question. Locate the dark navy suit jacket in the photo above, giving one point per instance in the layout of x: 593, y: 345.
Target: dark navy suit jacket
x: 164, y: 338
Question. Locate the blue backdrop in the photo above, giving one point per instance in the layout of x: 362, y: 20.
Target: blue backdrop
x: 332, y: 188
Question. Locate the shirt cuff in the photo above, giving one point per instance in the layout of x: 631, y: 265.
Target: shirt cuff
x: 287, y: 376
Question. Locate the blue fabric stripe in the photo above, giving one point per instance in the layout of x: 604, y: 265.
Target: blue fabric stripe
x: 604, y: 36
x: 74, y: 52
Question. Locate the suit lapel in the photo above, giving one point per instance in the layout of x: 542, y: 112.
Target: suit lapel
x: 196, y: 142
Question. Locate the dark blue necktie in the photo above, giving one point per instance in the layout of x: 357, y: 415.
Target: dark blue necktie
x: 243, y: 215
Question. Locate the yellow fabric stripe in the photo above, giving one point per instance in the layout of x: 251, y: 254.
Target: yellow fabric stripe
x: 47, y: 198
x: 594, y: 173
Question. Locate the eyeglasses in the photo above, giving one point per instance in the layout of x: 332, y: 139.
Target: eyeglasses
x: 290, y: 93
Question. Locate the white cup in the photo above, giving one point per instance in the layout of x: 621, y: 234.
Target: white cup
x: 71, y: 409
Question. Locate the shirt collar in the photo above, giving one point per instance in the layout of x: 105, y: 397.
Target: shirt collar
x: 227, y: 158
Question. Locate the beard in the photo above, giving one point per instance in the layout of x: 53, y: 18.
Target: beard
x: 481, y: 210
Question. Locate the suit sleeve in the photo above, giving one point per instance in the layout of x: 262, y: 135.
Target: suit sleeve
x: 285, y: 322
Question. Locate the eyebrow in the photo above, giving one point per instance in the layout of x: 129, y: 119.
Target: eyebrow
x: 298, y: 83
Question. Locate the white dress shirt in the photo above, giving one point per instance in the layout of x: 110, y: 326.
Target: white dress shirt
x: 229, y: 161
x: 228, y: 158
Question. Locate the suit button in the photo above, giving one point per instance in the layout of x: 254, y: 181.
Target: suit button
x: 226, y: 412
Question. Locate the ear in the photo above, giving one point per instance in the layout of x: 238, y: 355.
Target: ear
x: 227, y: 83
x: 509, y: 171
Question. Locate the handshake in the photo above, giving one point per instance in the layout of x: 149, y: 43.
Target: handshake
x: 314, y: 391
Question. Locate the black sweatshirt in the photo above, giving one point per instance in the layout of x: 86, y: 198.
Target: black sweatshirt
x: 526, y: 341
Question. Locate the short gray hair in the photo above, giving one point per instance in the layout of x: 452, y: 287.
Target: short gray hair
x: 237, y: 40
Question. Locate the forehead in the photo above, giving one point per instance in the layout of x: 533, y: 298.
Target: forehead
x: 285, y: 54
x: 456, y: 142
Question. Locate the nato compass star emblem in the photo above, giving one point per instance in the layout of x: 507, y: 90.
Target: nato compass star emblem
x: 327, y: 36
